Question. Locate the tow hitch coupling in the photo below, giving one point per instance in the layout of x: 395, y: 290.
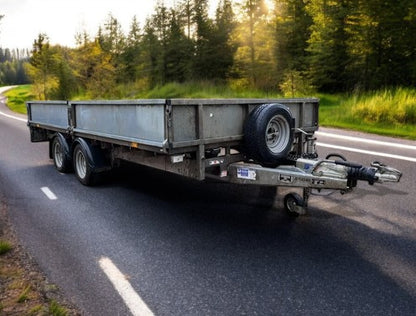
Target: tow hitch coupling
x: 378, y: 172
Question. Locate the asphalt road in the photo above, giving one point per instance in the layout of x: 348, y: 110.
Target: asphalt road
x: 190, y: 248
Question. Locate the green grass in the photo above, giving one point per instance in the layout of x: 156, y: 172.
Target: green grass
x: 17, y: 98
x: 5, y: 247
x: 203, y: 90
x: 56, y: 310
x: 393, y: 106
x: 388, y: 112
x: 24, y: 296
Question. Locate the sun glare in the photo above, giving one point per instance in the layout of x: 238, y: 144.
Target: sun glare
x: 269, y: 4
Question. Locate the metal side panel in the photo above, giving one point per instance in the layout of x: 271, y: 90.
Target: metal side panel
x: 49, y: 113
x: 134, y: 121
x: 223, y: 119
x: 219, y: 121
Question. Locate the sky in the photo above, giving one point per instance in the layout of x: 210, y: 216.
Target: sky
x: 62, y: 19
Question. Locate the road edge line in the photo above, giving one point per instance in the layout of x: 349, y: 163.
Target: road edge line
x: 363, y: 140
x: 13, y: 117
x: 367, y: 152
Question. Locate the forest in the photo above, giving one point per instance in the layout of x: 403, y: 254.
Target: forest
x: 294, y: 47
x: 12, y: 66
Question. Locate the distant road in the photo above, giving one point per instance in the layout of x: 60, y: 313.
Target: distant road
x: 190, y: 248
x: 5, y: 88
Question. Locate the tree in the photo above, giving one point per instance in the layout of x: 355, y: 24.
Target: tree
x: 292, y: 32
x: 132, y: 52
x: 94, y: 69
x: 328, y: 43
x: 21, y: 75
x: 203, y: 48
x: 179, y: 51
x: 381, y: 46
x: 254, y: 58
x: 67, y: 84
x: 224, y: 47
x: 155, y: 41
x: 112, y: 41
x: 185, y: 14
x: 151, y: 55
x: 42, y: 67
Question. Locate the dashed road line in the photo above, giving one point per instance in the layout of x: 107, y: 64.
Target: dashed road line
x: 366, y: 152
x: 133, y: 301
x: 49, y: 193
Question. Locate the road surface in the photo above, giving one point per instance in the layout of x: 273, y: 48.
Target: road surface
x: 145, y: 242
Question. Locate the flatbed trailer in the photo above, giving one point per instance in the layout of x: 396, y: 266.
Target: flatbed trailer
x: 266, y: 142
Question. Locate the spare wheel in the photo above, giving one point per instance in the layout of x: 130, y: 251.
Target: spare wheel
x: 268, y: 134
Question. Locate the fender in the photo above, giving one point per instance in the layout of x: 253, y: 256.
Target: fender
x: 65, y: 145
x: 96, y: 156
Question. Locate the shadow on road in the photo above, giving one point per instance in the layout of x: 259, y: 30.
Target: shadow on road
x: 211, y: 248
x: 215, y: 240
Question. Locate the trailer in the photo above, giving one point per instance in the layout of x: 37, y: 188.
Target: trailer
x: 268, y: 142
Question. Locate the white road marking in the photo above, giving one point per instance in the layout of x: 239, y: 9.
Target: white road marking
x: 13, y: 117
x: 133, y: 301
x: 368, y: 141
x: 4, y: 89
x: 367, y: 152
x: 49, y: 193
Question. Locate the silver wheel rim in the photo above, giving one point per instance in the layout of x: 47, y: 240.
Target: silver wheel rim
x: 80, y: 164
x: 277, y: 134
x: 58, y: 154
x: 291, y: 204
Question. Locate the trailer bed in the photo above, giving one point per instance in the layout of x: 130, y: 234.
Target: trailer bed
x: 162, y: 125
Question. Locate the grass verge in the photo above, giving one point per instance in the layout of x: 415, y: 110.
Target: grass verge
x: 364, y: 112
x: 17, y: 97
x: 23, y: 288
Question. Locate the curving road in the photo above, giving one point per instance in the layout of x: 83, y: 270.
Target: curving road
x: 189, y: 248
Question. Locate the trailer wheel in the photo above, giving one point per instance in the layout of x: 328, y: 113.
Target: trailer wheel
x: 294, y: 205
x: 268, y: 134
x: 60, y: 159
x: 82, y: 166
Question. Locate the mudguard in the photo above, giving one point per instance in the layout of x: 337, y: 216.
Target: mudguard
x: 96, y: 156
x: 65, y: 145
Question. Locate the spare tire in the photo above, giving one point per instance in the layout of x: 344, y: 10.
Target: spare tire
x: 268, y: 134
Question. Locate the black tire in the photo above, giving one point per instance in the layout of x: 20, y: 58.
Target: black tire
x: 60, y: 158
x: 291, y: 201
x: 82, y: 166
x: 268, y: 134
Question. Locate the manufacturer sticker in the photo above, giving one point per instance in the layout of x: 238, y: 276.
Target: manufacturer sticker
x: 245, y: 173
x: 306, y: 166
